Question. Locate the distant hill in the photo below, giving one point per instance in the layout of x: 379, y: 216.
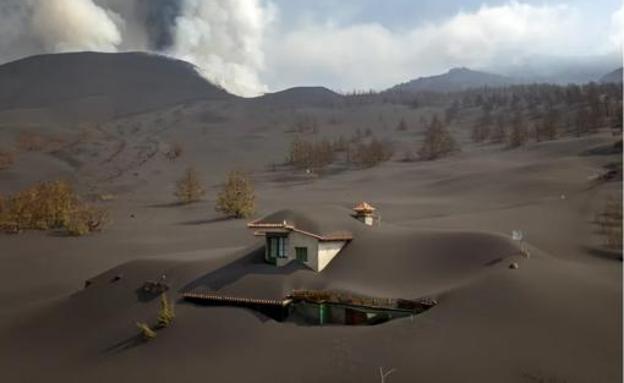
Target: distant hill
x: 101, y: 85
x: 560, y: 69
x: 302, y: 96
x: 614, y: 76
x: 454, y: 80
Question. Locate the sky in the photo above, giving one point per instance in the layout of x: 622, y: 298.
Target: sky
x: 253, y: 46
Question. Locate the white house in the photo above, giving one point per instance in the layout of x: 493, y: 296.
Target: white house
x: 291, y: 236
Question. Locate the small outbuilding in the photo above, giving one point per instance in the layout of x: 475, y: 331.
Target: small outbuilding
x: 291, y: 236
x: 365, y: 213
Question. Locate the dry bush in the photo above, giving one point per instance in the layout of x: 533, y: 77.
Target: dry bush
x: 372, y: 153
x: 305, y: 123
x: 237, y: 198
x: 145, y: 331
x: 408, y: 156
x: 7, y: 159
x: 30, y: 141
x: 53, y: 143
x: 610, y: 221
x: 340, y: 144
x: 106, y: 197
x: 188, y: 188
x: 499, y: 133
x: 50, y: 205
x: 85, y: 219
x: 402, y: 125
x: 308, y: 154
x: 175, y: 151
x: 519, y: 133
x: 481, y: 130
x: 438, y: 142
x: 166, y: 313
x: 547, y: 127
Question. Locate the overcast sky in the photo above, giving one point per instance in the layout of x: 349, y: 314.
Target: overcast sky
x: 254, y: 46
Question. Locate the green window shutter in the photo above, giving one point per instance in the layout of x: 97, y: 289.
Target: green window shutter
x: 302, y: 254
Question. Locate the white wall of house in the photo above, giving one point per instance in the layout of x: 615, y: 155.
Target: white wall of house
x: 320, y: 253
x: 366, y: 219
x: 327, y: 250
x: 302, y: 240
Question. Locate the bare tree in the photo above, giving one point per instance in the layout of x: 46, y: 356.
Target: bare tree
x: 610, y: 221
x: 384, y: 375
x: 402, y: 125
x: 6, y: 159
x: 499, y: 133
x: 519, y: 133
x: 188, y: 188
x: 237, y: 199
x: 438, y: 141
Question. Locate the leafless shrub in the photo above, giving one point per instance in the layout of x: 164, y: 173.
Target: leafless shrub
x: 50, y: 205
x: 174, y: 151
x: 311, y: 154
x: 372, y: 153
x: 384, y: 375
x: 402, y: 125
x: 30, y: 141
x: 438, y: 141
x: 610, y: 222
x: 188, y: 188
x: 7, y: 159
x: 519, y: 133
x: 85, y: 219
x: 340, y: 144
x: 237, y: 199
x: 145, y: 331
x: 166, y: 313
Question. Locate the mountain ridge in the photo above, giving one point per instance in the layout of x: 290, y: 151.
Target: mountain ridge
x: 108, y: 84
x: 455, y: 79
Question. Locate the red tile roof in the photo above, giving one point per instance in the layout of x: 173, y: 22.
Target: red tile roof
x: 364, y: 207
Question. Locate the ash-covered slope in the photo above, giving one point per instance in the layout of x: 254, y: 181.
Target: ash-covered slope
x: 101, y: 85
x: 612, y: 77
x: 309, y: 96
x: 454, y: 80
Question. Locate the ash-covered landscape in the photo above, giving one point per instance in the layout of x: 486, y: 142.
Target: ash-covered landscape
x: 234, y: 191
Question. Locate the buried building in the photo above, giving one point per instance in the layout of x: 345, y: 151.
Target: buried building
x: 307, y: 238
x: 325, y: 265
x: 293, y: 237
x: 296, y: 240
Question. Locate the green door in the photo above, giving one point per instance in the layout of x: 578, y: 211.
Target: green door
x: 271, y: 245
x: 276, y: 248
x: 323, y: 314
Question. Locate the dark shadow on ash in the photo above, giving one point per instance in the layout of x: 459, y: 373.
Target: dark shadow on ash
x: 251, y: 263
x: 493, y: 262
x: 59, y: 233
x: 150, y: 290
x: 126, y: 344
x: 604, y: 253
x: 205, y: 221
x: 166, y: 205
x: 262, y: 312
x: 604, y: 150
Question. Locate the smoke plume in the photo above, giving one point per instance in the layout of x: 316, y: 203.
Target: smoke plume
x: 223, y: 38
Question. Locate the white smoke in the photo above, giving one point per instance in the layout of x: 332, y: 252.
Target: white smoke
x: 225, y: 39
x: 49, y: 26
x: 70, y: 25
